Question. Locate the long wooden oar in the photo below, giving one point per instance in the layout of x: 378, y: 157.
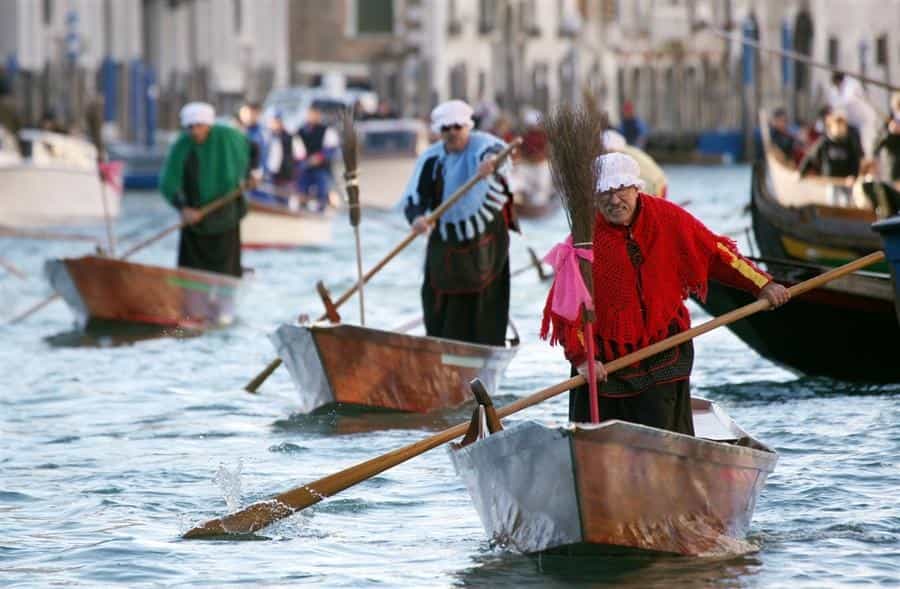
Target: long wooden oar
x: 261, y: 514
x: 793, y: 55
x: 12, y: 269
x: 204, y: 211
x: 260, y: 378
x: 6, y: 231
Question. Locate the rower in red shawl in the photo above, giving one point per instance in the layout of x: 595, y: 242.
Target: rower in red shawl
x: 649, y: 255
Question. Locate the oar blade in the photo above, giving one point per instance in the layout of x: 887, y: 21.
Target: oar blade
x: 256, y: 516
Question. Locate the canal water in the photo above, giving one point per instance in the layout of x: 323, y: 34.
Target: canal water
x: 110, y: 448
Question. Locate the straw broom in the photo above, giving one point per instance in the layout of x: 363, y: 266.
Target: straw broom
x: 574, y: 138
x: 350, y: 152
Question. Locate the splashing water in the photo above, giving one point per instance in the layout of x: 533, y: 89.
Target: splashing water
x: 230, y: 483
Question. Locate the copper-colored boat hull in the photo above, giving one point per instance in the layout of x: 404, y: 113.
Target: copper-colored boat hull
x: 618, y: 484
x: 352, y: 365
x: 95, y: 287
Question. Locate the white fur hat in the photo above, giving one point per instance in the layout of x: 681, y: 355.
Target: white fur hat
x: 618, y: 170
x: 452, y: 112
x: 197, y: 113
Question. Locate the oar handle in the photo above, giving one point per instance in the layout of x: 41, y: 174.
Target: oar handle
x: 261, y: 514
x: 204, y: 211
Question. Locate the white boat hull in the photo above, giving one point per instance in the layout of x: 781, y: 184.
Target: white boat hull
x: 260, y: 229
x: 40, y: 196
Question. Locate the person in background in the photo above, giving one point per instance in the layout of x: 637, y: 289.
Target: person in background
x: 782, y: 136
x: 248, y: 118
x: 889, y: 140
x: 632, y: 127
x: 649, y: 256
x: 882, y: 196
x: 320, y: 144
x: 280, y: 153
x: 503, y: 128
x: 847, y: 95
x: 466, y: 290
x: 207, y: 162
x: 838, y: 155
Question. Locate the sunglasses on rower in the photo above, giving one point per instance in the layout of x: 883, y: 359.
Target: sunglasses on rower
x: 448, y: 128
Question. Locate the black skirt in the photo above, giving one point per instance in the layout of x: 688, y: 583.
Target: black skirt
x: 478, y: 318
x: 217, y: 252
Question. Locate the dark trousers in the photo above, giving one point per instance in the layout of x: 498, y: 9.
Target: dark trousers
x: 217, y: 252
x: 664, y: 406
x: 477, y: 318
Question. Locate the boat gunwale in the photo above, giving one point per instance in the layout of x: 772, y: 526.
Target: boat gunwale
x: 414, y: 342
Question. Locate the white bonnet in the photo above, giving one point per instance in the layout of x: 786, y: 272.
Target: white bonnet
x: 618, y: 170
x: 197, y: 113
x: 452, y: 112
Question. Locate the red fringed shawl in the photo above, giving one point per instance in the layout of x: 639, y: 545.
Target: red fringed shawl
x: 677, y: 252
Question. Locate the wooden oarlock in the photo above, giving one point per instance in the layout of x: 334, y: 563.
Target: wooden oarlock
x: 331, y: 312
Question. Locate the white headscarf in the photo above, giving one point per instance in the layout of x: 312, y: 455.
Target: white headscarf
x: 197, y: 113
x: 452, y: 112
x: 618, y: 170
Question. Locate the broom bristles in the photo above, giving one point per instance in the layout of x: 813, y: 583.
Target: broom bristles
x: 349, y: 141
x: 574, y: 138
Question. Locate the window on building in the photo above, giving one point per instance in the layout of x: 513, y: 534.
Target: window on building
x: 459, y: 82
x: 833, y: 51
x: 48, y: 12
x: 528, y: 23
x: 487, y: 15
x: 881, y: 50
x: 238, y: 15
x: 374, y: 17
x: 454, y: 24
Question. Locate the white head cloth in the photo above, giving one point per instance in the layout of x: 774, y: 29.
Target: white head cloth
x: 618, y: 170
x: 452, y: 112
x: 197, y: 113
x: 531, y: 117
x: 613, y: 140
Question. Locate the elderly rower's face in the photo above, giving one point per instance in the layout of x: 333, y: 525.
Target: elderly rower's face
x: 618, y: 206
x: 199, y: 132
x: 455, y: 137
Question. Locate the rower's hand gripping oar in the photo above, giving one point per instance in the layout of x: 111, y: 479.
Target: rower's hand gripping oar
x: 263, y: 513
x: 202, y: 212
x: 260, y: 378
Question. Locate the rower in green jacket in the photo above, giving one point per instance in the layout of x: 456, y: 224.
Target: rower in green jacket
x: 207, y: 162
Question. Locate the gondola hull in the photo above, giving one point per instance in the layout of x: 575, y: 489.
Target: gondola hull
x: 617, y: 485
x: 108, y: 289
x: 844, y: 330
x: 359, y: 366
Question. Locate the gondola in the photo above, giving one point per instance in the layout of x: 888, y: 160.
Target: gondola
x: 845, y: 330
x: 360, y: 366
x: 813, y: 233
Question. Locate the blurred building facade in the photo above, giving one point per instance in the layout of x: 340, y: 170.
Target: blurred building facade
x: 145, y: 57
x: 150, y: 56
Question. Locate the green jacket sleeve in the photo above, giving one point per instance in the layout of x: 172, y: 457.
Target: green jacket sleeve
x: 171, y: 177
